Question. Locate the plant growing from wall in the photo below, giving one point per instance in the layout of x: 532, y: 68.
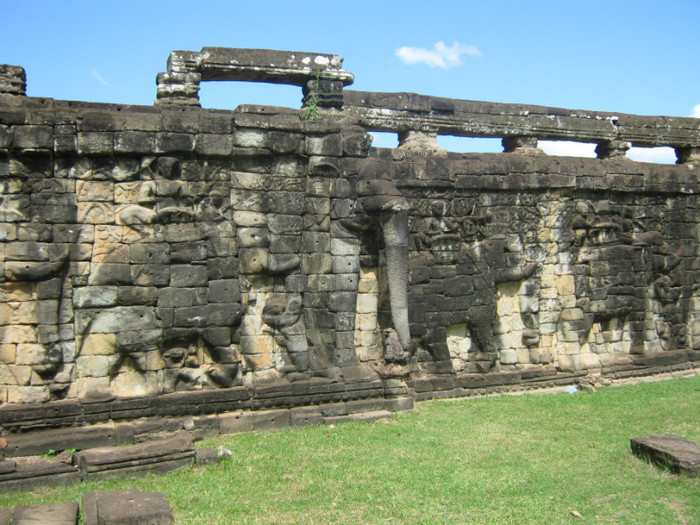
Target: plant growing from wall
x: 311, y: 110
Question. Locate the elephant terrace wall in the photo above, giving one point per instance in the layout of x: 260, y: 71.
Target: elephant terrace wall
x: 173, y: 261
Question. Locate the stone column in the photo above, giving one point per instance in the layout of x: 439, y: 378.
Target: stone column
x: 13, y: 80
x: 690, y: 156
x: 522, y: 144
x: 612, y: 148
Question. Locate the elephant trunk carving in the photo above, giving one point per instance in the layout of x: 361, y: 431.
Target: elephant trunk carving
x: 395, y: 230
x: 382, y: 201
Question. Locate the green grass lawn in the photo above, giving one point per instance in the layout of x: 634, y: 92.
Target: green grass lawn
x: 542, y: 459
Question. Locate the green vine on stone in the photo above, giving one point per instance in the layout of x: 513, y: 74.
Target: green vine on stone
x: 311, y: 110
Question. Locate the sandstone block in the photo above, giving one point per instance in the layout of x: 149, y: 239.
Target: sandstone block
x: 126, y: 507
x: 679, y: 455
x: 159, y: 455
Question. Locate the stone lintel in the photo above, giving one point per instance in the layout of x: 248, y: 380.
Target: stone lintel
x: 266, y: 65
x: 397, y: 112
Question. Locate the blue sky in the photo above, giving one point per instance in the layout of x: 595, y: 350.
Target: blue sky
x: 623, y: 56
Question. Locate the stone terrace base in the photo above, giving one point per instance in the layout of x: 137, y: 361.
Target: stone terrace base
x: 680, y: 455
x: 51, y: 514
x: 28, y: 473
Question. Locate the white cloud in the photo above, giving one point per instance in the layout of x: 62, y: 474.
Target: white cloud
x: 440, y: 56
x: 99, y: 77
x: 696, y: 111
x: 567, y: 149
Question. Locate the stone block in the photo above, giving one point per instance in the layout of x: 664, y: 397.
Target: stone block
x: 508, y: 357
x: 224, y: 291
x: 96, y: 143
x: 398, y: 404
x: 345, y: 264
x: 134, y: 142
x: 679, y: 455
x: 175, y: 297
x: 214, y: 144
x: 29, y: 474
x: 341, y: 301
x: 272, y: 419
x: 161, y: 455
x: 48, y: 514
x: 236, y: 422
x: 206, y: 455
x: 126, y: 507
x: 306, y: 416
x: 182, y: 276
x: 95, y: 296
x: 32, y: 138
x: 174, y: 143
x: 326, y: 145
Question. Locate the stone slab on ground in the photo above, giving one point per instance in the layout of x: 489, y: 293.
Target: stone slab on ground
x: 49, y: 514
x: 161, y: 455
x: 680, y: 455
x: 34, y: 472
x: 126, y: 507
x: 5, y: 516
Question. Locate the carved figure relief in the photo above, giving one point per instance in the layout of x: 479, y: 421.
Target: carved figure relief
x: 456, y: 274
x: 629, y: 283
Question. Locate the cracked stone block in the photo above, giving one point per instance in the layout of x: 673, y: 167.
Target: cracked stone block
x: 679, y: 455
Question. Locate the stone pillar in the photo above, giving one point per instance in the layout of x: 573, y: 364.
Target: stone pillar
x: 180, y: 84
x: 13, y: 80
x: 418, y: 140
x: 612, y: 148
x: 522, y: 144
x: 323, y: 93
x: 688, y: 156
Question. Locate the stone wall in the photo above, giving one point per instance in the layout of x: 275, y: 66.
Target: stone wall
x: 279, y: 261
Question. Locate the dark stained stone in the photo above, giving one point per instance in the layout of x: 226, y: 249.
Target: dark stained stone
x: 679, y: 455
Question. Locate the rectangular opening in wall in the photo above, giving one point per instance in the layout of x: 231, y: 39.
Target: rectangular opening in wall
x: 384, y: 139
x: 230, y: 95
x: 662, y: 155
x: 470, y: 144
x: 565, y: 148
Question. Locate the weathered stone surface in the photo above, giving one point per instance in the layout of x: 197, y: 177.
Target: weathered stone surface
x: 36, y: 443
x: 50, y: 514
x: 126, y: 507
x: 31, y: 473
x: 156, y: 252
x: 679, y: 455
x: 206, y: 455
x: 160, y: 456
